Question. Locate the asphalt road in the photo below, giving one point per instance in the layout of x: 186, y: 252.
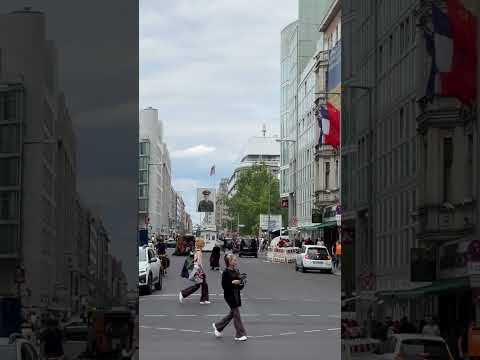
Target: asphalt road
x: 287, y: 315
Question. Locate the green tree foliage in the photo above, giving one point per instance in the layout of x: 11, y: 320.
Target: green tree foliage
x: 251, y: 198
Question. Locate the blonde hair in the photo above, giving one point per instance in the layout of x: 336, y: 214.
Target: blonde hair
x: 228, y: 258
x: 199, y: 244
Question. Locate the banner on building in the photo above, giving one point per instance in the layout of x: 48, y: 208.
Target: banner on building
x: 423, y: 265
x: 275, y: 222
x: 205, y: 200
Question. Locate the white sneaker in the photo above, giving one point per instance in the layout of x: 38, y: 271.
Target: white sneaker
x: 217, y: 333
x: 243, y: 338
x: 180, y: 297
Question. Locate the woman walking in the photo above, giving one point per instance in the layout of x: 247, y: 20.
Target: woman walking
x: 197, y: 273
x: 232, y: 284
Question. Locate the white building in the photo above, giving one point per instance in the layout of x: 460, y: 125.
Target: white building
x: 154, y: 188
x: 260, y: 150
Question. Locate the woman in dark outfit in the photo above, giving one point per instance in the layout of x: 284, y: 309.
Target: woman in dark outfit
x: 215, y: 258
x: 232, y: 285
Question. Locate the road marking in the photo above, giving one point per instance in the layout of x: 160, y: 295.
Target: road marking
x: 304, y: 315
x: 145, y: 327
x: 279, y: 314
x: 261, y: 336
x: 155, y: 315
x: 334, y: 329
x: 181, y: 315
x: 269, y: 298
x: 215, y: 315
x: 312, y: 331
x: 168, y: 329
x: 193, y: 331
x: 250, y: 314
x: 288, y: 333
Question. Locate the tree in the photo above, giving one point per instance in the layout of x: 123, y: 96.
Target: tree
x: 252, y: 197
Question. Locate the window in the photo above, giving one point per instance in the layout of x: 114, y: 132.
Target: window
x: 144, y: 148
x: 142, y: 191
x: 447, y: 168
x: 337, y: 185
x: 8, y: 107
x: 327, y: 175
x: 401, y: 123
x: 143, y: 163
x: 9, y: 139
x: 143, y: 176
x: 8, y: 234
x: 469, y: 172
x: 9, y: 175
x: 8, y: 205
x: 143, y: 205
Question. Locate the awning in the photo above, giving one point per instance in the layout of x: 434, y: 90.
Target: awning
x: 435, y: 288
x: 318, y: 226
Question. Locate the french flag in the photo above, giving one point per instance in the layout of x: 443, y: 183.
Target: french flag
x: 329, y: 123
x: 452, y: 46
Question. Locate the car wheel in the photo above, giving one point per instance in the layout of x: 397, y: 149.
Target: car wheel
x: 330, y: 271
x: 296, y: 267
x: 303, y: 269
x: 158, y: 285
x: 149, y: 285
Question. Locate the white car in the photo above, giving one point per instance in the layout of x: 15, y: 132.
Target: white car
x: 17, y: 348
x: 149, y: 270
x: 413, y: 347
x: 313, y: 257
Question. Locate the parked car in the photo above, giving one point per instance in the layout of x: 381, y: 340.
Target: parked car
x: 171, y: 243
x: 236, y: 246
x: 313, y: 257
x: 414, y: 347
x: 16, y: 347
x: 76, y: 330
x: 248, y: 247
x: 149, y: 270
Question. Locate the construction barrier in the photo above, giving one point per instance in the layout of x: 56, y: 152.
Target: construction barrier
x: 281, y: 255
x: 358, y: 346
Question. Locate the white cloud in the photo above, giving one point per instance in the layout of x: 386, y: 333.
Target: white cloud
x: 212, y: 68
x: 193, y: 152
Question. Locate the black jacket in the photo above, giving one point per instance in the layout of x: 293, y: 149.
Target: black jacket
x: 231, y: 292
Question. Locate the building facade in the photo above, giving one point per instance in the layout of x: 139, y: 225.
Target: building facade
x: 221, y: 213
x: 299, y: 41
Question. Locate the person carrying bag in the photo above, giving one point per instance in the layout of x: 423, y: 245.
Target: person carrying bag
x: 197, y: 275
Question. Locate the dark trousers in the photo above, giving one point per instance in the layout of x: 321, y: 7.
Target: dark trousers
x: 237, y: 322
x: 191, y: 289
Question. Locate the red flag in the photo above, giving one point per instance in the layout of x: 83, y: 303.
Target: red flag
x: 461, y: 81
x: 333, y: 136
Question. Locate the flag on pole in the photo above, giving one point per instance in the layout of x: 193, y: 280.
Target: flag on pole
x: 212, y: 170
x: 452, y: 47
x: 329, y: 123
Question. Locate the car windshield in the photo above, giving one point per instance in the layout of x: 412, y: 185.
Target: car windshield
x: 318, y: 253
x: 8, y: 352
x: 142, y: 255
x: 418, y: 349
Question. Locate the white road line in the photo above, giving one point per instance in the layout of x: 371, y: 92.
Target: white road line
x: 145, y: 327
x: 155, y: 315
x: 168, y: 329
x: 215, y: 315
x: 181, y: 315
x: 334, y: 329
x: 250, y: 315
x: 288, y: 333
x: 192, y: 331
x: 263, y: 298
x: 313, y: 331
x: 279, y: 314
x: 261, y: 336
x: 305, y: 315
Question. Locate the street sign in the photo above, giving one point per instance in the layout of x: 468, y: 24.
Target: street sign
x: 274, y: 223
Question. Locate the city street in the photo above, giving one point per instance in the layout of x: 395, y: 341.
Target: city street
x: 287, y: 315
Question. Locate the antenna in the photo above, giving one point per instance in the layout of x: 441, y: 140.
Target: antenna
x: 264, y: 129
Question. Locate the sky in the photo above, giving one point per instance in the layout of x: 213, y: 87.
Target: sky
x: 212, y: 69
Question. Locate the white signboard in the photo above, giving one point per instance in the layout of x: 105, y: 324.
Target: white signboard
x: 275, y: 222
